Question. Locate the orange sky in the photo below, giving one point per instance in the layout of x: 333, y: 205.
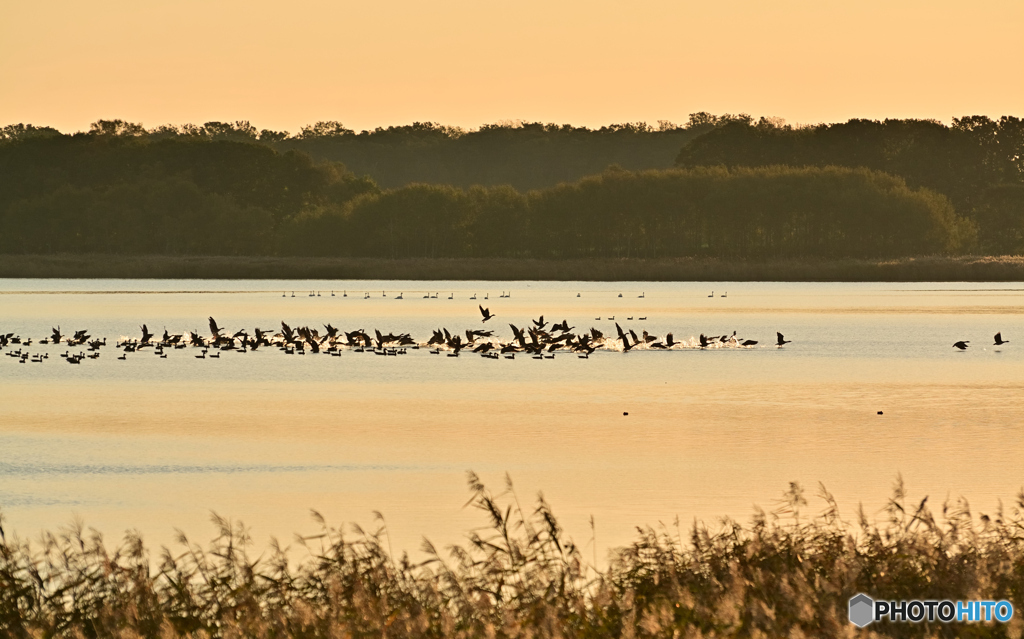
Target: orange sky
x: 66, y: 63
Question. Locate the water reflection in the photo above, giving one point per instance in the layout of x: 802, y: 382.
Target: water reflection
x: 155, y: 444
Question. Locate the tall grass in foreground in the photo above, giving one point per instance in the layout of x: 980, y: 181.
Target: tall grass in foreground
x: 786, y: 574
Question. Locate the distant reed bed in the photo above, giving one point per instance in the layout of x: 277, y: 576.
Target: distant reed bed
x: 922, y: 269
x: 788, y: 573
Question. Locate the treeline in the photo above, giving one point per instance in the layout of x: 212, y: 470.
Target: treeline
x: 122, y: 194
x: 762, y: 213
x: 192, y: 195
x: 978, y: 162
x: 524, y: 155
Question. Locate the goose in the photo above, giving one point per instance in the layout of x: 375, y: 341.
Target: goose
x: 999, y: 339
x: 725, y: 294
x: 215, y: 329
x: 486, y: 312
x: 962, y: 345
x: 712, y: 294
x: 625, y: 339
x: 642, y: 295
x: 781, y: 340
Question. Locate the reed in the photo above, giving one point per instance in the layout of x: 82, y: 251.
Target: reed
x: 786, y: 574
x: 921, y: 269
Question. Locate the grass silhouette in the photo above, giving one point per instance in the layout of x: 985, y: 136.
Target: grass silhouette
x: 786, y: 574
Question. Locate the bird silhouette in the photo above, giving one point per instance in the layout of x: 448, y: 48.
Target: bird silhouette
x: 999, y: 339
x: 962, y: 345
x: 486, y: 312
x: 782, y: 340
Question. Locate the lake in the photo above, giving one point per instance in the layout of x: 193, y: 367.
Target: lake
x: 156, y: 444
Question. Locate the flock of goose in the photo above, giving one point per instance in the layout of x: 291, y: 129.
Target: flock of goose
x: 538, y: 339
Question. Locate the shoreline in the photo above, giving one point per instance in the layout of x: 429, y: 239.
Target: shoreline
x: 920, y: 269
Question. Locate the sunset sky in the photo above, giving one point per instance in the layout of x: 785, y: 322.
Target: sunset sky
x: 280, y: 65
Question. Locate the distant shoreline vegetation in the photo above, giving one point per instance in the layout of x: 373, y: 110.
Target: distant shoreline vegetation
x: 720, y: 187
x: 925, y: 269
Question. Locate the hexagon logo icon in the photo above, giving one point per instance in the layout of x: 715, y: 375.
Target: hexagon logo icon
x: 862, y: 610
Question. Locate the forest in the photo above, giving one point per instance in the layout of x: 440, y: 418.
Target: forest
x: 728, y: 187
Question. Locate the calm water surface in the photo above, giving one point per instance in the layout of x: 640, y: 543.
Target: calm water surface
x: 156, y: 444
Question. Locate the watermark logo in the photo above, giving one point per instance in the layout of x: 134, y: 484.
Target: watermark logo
x: 862, y: 610
x: 865, y: 610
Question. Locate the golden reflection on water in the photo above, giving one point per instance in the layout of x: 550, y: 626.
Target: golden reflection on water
x: 152, y: 446
x: 693, y: 451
